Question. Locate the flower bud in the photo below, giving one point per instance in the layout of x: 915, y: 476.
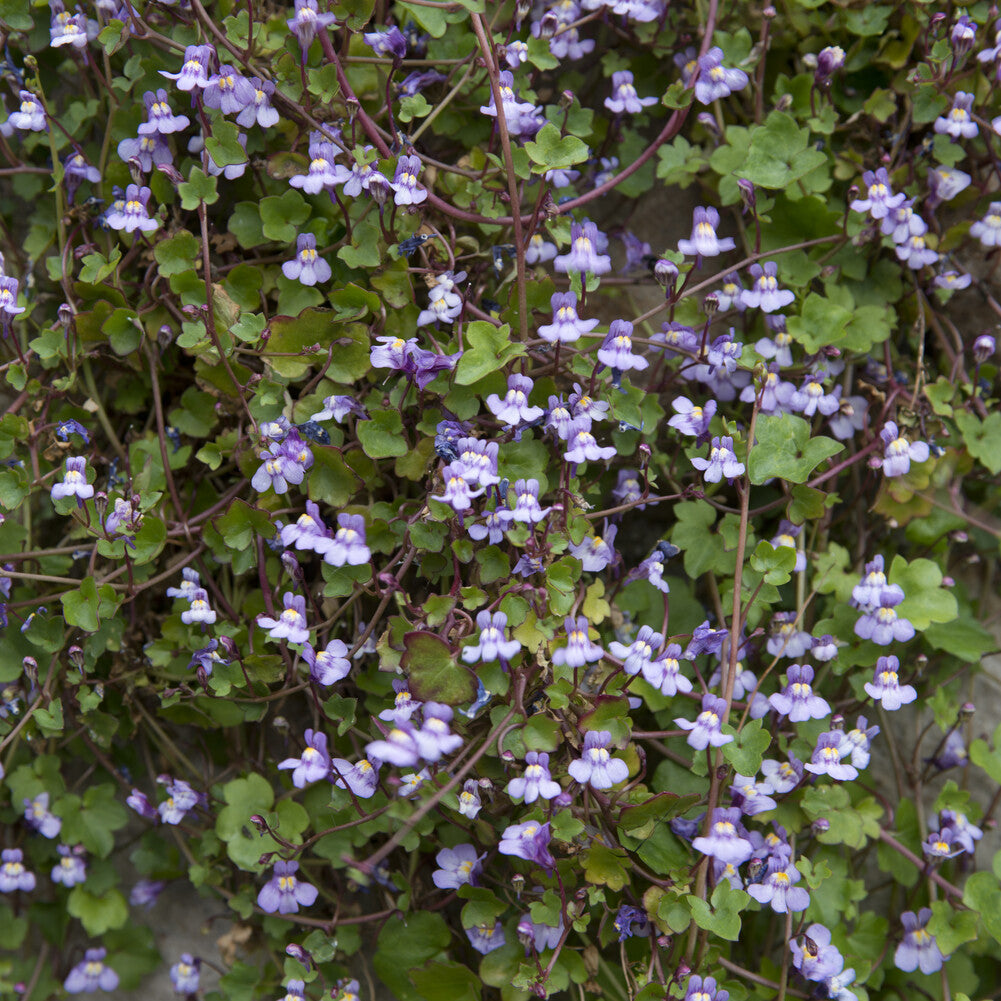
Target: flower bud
x: 548, y: 25
x: 298, y: 953
x: 666, y: 272
x: 566, y: 99
x: 710, y: 304
x: 30, y: 667
x: 75, y: 655
x: 966, y: 710
x: 65, y: 314
x: 747, y: 194
x: 820, y: 826
x: 983, y: 347
x: 260, y: 823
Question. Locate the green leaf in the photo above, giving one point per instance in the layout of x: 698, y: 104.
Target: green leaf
x: 925, y: 600
x: 489, y: 349
x: 84, y: 607
x: 406, y: 942
x: 723, y: 918
x: 199, y: 187
x: 951, y: 928
x: 982, y: 893
x: 551, y: 152
x: 663, y: 806
x: 330, y: 478
x: 821, y: 323
x: 775, y: 564
x: 245, y: 225
x: 282, y: 215
x: 605, y: 867
x: 982, y: 438
x: 382, y: 437
x: 177, y: 253
x: 223, y: 146
x: 309, y: 335
x: 778, y: 153
x: 97, y: 914
x: 446, y: 982
x: 14, y: 13
x: 97, y: 267
x: 483, y: 906
x: 745, y: 752
x: 434, y: 673
x: 702, y: 547
x: 785, y: 449
x: 241, y: 523
x: 92, y: 820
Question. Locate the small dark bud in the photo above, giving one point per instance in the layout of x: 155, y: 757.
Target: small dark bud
x: 566, y: 99
x: 708, y: 123
x: 518, y: 883
x: 821, y: 825
x: 837, y: 722
x: 548, y: 25
x: 30, y: 666
x: 967, y: 709
x: 65, y: 315
x: 666, y: 272
x: 75, y: 655
x: 747, y: 194
x: 266, y: 858
x: 170, y: 172
x: 298, y: 953
x: 260, y: 823
x: 710, y: 304
x: 784, y: 103
x: 165, y: 335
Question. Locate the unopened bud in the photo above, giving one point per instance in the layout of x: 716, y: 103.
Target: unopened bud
x: 710, y: 304
x: 566, y: 99
x: 170, y: 172
x: 30, y: 667
x: 747, y: 194
x: 820, y: 826
x: 75, y: 655
x: 297, y: 952
x: 260, y: 823
x: 784, y: 103
x: 708, y: 123
x: 65, y: 314
x: 548, y: 25
x: 967, y: 709
x: 666, y: 272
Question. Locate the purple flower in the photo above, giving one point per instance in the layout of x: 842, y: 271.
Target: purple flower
x: 624, y: 98
x: 856, y: 742
x: 307, y: 532
x: 323, y: 173
x: 457, y: 866
x: 91, y: 974
x: 915, y: 253
x: 314, y: 762
x: 307, y: 266
x: 77, y: 170
x: 491, y: 644
x: 539, y: 936
x: 580, y: 650
x: 797, y: 700
x: 139, y: 802
x: 181, y: 799
x: 952, y: 281
x: 765, y: 292
x: 567, y: 325
x: 405, y: 187
x: 486, y: 938
x: 901, y: 223
x: 595, y: 552
x: 885, y: 686
x: 816, y: 958
x: 852, y: 416
x: 691, y: 419
x: 535, y: 781
x: 338, y: 407
x: 583, y: 447
x: 391, y: 42
x: 539, y: 251
x: 716, y: 81
x: 184, y: 974
x: 616, y: 350
x: 963, y: 35
x: 918, y: 948
x: 958, y: 123
x: 944, y: 183
x: 526, y: 502
x: 66, y: 28
x: 348, y: 547
x: 777, y: 888
x: 40, y: 818
x: 782, y: 777
x: 515, y: 111
x: 435, y: 739
x: 703, y: 241
x: 529, y: 841
x: 71, y: 867
x: 827, y: 756
x: 13, y: 874
x: 259, y: 108
x: 882, y: 625
x: 880, y: 199
x: 706, y: 729
x: 444, y: 303
x: 228, y: 91
x: 495, y: 524
x: 988, y: 229
x: 726, y: 839
x: 628, y: 916
x: 329, y: 665
x: 361, y: 778
x: 900, y: 452
x: 943, y: 844
x: 305, y: 22
x: 291, y: 624
x: 74, y: 482
x: 284, y: 892
x: 722, y: 462
x: 811, y: 398
x: 874, y: 591
x: 596, y: 766
x: 457, y: 493
x: 133, y: 214
x: 515, y: 409
x: 145, y: 892
x: 195, y: 69
x: 470, y: 803
x: 641, y: 652
x: 30, y: 115
x: 751, y: 797
x: 583, y: 255
x: 705, y: 639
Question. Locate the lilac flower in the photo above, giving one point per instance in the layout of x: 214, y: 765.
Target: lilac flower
x: 539, y: 936
x: 148, y: 151
x: 882, y: 625
x: 361, y: 778
x: 944, y: 183
x: 852, y: 416
x: 40, y: 818
x: 458, y: 492
x: 491, y: 644
x: 641, y: 652
x: 716, y: 81
x: 133, y: 214
x: 228, y: 91
x: 580, y: 649
x: 199, y: 610
x: 782, y: 777
x: 539, y: 251
x: 405, y: 187
x: 444, y: 303
x: 66, y: 28
x: 435, y: 739
x: 765, y: 292
x: 284, y: 892
x: 391, y: 42
x: 71, y: 867
x: 338, y: 407
x: 964, y: 832
x: 706, y: 729
x: 915, y: 253
x: 76, y: 170
x: 514, y: 111
x: 190, y: 582
x: 307, y: 266
x: 470, y: 803
x: 329, y: 665
x: 561, y: 420
x: 184, y: 975
x: 583, y: 255
x: 616, y: 350
x: 958, y: 123
x: 306, y: 21
x: 526, y: 506
x: 797, y: 700
x: 323, y: 173
x: 456, y: 867
x: 181, y: 799
x: 855, y: 743
x: 596, y: 767
x: 691, y: 419
x: 74, y: 482
x: 586, y: 408
x: 885, y: 686
x: 725, y: 840
x: 918, y: 948
x: 816, y: 958
x: 900, y: 452
x: 495, y: 524
x: 515, y: 54
x: 624, y: 98
x: 314, y: 762
x: 258, y: 108
x: 307, y: 532
x: 703, y: 241
x: 953, y: 281
x: 515, y: 409
x: 195, y: 69
x: 485, y: 939
x: 291, y: 624
x: 751, y: 797
x: 880, y: 199
x: 705, y: 639
x: 529, y: 841
x: 988, y: 229
x: 722, y: 462
x: 903, y: 222
x: 963, y: 35
x: 811, y: 398
x: 595, y: 552
x: 535, y: 781
x: 627, y: 489
x: 583, y: 447
x: 138, y: 801
x: 827, y: 756
x: 942, y: 844
x: 776, y: 888
x: 479, y: 459
x: 13, y: 874
x: 91, y: 974
x: 30, y: 115
x: 348, y: 547
x: 873, y: 590
x: 145, y: 892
